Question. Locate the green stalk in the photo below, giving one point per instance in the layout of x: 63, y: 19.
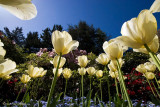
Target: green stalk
x: 157, y: 82
x: 156, y: 89
x: 123, y: 85
x: 65, y: 88
x: 151, y: 88
x: 109, y: 94
x: 53, y: 83
x: 157, y: 58
x: 101, y: 88
x: 90, y: 82
x: 152, y: 56
x: 82, y: 88
x: 19, y: 93
x: 116, y: 86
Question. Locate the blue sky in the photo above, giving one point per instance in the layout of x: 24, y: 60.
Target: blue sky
x: 108, y: 15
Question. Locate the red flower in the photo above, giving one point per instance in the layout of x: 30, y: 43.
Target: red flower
x: 148, y: 88
x: 132, y: 93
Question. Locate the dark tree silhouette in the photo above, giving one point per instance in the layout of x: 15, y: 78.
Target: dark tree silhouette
x: 33, y: 40
x: 47, y: 34
x: 90, y: 39
x: 15, y: 35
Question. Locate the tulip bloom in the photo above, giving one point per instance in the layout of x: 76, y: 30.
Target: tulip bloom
x: 55, y: 61
x: 139, y: 31
x: 149, y: 75
x: 43, y: 73
x: 113, y: 49
x: 99, y: 73
x: 82, y: 71
x: 150, y: 66
x: 67, y: 73
x: 63, y: 43
x: 59, y: 72
x: 141, y: 68
x: 91, y: 71
x: 82, y: 61
x: 7, y: 67
x: 113, y: 65
x: 113, y: 74
x: 25, y: 78
x: 34, y: 72
x: 23, y: 9
x: 102, y: 59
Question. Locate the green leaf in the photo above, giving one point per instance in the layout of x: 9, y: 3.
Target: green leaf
x: 27, y: 98
x: 55, y: 101
x: 88, y: 102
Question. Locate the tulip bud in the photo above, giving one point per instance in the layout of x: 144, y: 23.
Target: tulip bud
x: 102, y: 59
x: 25, y: 78
x: 149, y: 75
x: 99, y: 73
x: 82, y: 61
x: 91, y: 71
x: 113, y: 50
x: 141, y: 68
x: 7, y: 67
x: 67, y: 73
x: 82, y: 71
x: 150, y: 67
x: 58, y: 73
x: 63, y: 43
x: 113, y: 74
x: 55, y: 61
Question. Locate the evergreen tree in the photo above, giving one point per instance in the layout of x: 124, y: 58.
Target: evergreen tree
x: 90, y: 38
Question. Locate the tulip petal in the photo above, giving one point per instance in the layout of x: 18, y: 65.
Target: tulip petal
x: 130, y: 29
x: 70, y: 46
x: 128, y: 41
x: 155, y: 6
x: 2, y: 51
x: 105, y: 45
x: 22, y: 9
x: 8, y: 65
x: 67, y: 36
x: 148, y: 25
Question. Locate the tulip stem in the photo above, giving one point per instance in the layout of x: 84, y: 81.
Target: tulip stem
x: 157, y: 82
x: 151, y: 88
x: 101, y: 88
x: 19, y: 93
x: 153, y: 56
x: 156, y: 89
x: 116, y: 86
x: 65, y: 89
x: 157, y: 58
x: 109, y: 94
x: 90, y: 82
x: 53, y: 83
x: 123, y: 85
x: 82, y: 88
